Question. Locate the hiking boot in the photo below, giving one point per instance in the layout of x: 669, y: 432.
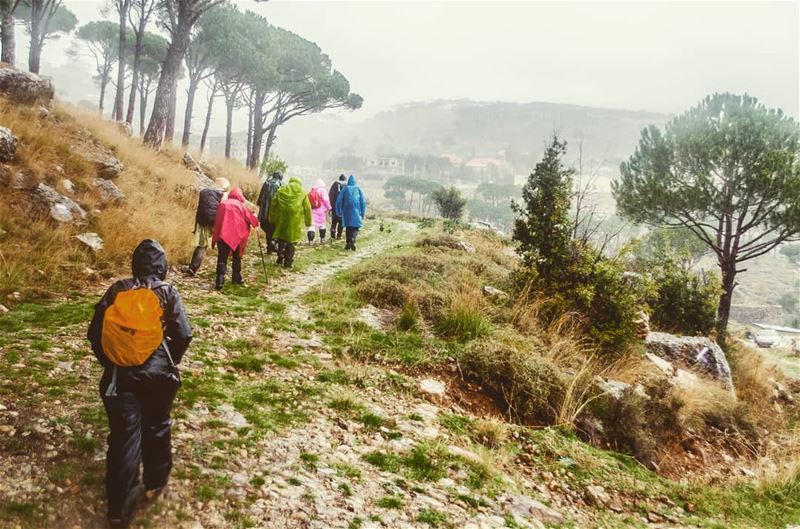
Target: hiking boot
x: 155, y: 494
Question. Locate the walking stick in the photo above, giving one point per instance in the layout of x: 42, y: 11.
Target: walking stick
x: 263, y: 263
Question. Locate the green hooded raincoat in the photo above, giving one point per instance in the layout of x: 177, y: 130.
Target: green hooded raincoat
x: 290, y: 211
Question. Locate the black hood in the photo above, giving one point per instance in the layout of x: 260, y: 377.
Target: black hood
x: 149, y: 260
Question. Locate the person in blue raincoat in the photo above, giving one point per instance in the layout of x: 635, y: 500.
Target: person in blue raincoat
x: 351, y: 206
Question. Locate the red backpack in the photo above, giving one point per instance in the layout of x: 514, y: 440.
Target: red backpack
x: 315, y: 198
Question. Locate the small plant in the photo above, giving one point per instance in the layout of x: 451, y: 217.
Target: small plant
x: 371, y: 420
x: 409, y: 317
x: 490, y: 433
x: 346, y: 489
x: 432, y: 517
x: 465, y: 319
x: 309, y: 459
x: 390, y: 502
x: 458, y: 424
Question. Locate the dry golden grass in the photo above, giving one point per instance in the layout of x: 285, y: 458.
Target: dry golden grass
x: 780, y: 464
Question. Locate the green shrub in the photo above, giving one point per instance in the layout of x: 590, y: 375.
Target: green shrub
x: 682, y: 300
x: 595, y: 289
x: 382, y: 292
x: 638, y: 425
x: 531, y: 386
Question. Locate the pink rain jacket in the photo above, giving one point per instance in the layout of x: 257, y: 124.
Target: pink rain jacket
x: 318, y: 214
x: 233, y: 222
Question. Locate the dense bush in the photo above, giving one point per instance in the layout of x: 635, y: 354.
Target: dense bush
x: 530, y: 385
x: 593, y: 288
x: 683, y: 301
x: 640, y: 425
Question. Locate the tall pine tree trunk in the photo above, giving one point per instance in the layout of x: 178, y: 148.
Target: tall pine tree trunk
x: 249, y: 129
x: 137, y: 62
x: 728, y: 268
x: 119, y: 96
x: 187, y: 116
x: 103, y: 85
x: 35, y: 51
x: 142, y: 111
x: 167, y: 85
x: 230, y: 100
x: 8, y: 42
x: 258, y: 130
x: 207, y: 124
x: 169, y: 130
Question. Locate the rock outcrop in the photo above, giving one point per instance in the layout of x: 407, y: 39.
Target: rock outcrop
x: 8, y: 145
x: 202, y: 180
x: 92, y: 240
x: 696, y: 352
x: 24, y: 87
x: 59, y: 207
x: 107, y: 191
x: 106, y: 164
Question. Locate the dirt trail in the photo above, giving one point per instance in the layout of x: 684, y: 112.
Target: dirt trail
x: 315, y: 275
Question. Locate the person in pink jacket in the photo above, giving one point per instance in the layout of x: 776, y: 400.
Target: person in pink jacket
x: 320, y: 206
x: 231, y: 231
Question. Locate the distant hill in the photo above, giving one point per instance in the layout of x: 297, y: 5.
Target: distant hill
x: 469, y: 129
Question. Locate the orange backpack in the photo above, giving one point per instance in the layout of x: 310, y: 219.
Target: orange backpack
x: 133, y: 327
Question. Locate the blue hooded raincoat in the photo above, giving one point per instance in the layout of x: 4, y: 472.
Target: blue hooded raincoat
x: 351, y: 204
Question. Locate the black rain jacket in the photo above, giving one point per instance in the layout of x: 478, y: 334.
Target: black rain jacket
x: 149, y: 268
x: 333, y: 194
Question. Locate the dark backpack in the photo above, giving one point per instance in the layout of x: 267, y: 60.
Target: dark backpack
x: 207, y: 206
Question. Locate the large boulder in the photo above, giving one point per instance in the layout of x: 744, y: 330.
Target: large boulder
x: 107, y: 191
x: 24, y: 87
x: 202, y: 180
x: 60, y: 208
x: 697, y: 352
x: 8, y: 145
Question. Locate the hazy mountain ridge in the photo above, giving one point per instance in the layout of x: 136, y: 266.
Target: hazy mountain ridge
x: 470, y: 129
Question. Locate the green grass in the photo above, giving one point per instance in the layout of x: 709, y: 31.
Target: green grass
x: 432, y: 517
x: 390, y: 502
x: 309, y: 459
x: 457, y: 424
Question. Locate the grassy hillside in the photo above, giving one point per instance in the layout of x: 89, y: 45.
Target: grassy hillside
x: 39, y: 257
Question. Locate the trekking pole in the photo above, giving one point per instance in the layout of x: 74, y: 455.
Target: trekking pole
x: 263, y: 263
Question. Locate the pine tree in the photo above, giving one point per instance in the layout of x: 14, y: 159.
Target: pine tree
x: 543, y: 226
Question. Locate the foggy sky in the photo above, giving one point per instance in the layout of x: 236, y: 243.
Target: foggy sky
x: 660, y: 57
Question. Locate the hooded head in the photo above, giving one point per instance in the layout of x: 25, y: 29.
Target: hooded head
x: 319, y: 184
x: 277, y: 175
x: 236, y: 194
x: 149, y: 260
x: 351, y: 181
x: 342, y: 178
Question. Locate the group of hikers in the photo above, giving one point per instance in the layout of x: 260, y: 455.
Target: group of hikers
x: 140, y: 330
x: 285, y: 213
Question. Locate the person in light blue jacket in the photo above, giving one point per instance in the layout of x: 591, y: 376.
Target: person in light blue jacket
x: 351, y: 206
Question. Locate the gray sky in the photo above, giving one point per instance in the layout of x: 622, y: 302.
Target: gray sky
x: 657, y: 56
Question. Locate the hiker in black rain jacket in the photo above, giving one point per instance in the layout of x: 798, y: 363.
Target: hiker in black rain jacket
x: 138, y: 399
x: 333, y: 194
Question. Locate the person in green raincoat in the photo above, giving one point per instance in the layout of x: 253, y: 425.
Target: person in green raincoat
x: 290, y: 212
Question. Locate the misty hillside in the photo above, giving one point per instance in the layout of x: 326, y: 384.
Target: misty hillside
x: 469, y: 129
